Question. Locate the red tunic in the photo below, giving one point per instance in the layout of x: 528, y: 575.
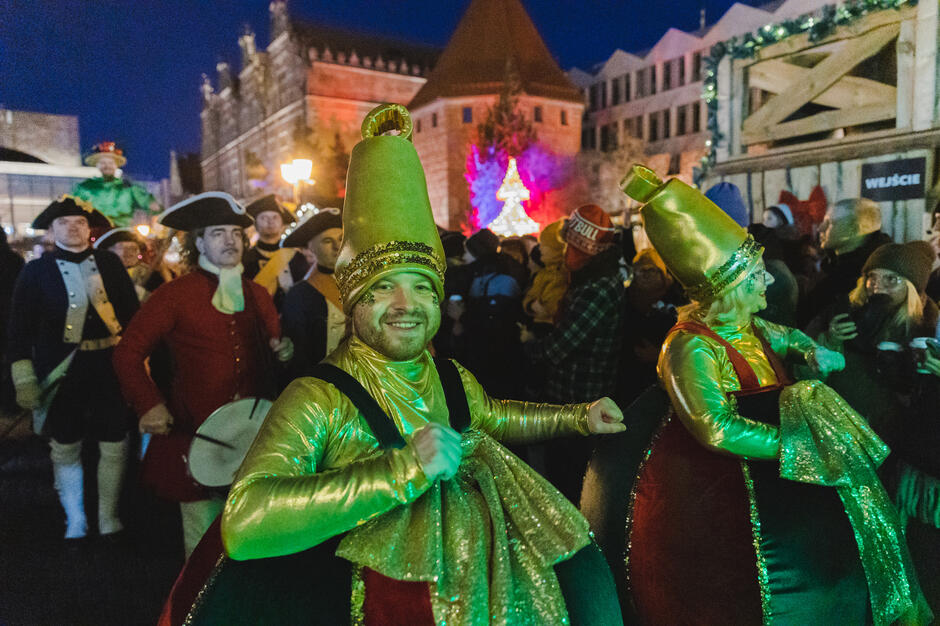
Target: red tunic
x: 216, y: 358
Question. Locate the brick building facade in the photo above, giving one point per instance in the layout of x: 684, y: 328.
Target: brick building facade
x: 491, y: 36
x: 311, y: 87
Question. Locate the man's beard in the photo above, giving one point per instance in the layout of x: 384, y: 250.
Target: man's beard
x: 383, y: 340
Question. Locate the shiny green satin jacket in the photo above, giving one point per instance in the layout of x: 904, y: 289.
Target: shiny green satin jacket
x: 316, y: 469
x: 698, y: 375
x: 117, y: 198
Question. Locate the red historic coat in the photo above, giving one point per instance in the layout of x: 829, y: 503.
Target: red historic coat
x: 216, y: 357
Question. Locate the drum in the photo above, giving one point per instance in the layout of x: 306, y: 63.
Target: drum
x: 221, y: 443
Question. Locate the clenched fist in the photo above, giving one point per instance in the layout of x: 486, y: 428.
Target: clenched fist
x: 438, y: 449
x: 605, y: 417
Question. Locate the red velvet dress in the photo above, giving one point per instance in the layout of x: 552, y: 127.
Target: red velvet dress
x: 717, y: 539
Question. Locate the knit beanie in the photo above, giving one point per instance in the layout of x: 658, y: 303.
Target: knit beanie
x: 453, y: 243
x: 588, y: 231
x: 482, y: 243
x: 912, y: 260
x: 728, y: 198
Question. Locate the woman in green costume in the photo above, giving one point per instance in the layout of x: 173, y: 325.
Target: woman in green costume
x: 758, y: 500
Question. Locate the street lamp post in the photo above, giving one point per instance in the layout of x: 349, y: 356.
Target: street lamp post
x: 295, y: 173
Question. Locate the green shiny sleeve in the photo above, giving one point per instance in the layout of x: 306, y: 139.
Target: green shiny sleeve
x: 691, y: 370
x: 515, y: 421
x: 142, y: 197
x: 312, y: 473
x: 80, y: 191
x: 786, y: 341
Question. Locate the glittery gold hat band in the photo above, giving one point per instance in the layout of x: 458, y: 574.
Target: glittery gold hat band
x: 382, y: 258
x: 729, y: 274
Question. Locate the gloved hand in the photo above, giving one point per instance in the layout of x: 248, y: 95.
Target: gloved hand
x: 842, y: 328
x: 27, y: 387
x: 158, y: 420
x: 27, y: 394
x: 825, y: 361
x: 283, y: 348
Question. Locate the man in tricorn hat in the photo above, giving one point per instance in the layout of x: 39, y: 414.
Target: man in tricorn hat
x: 380, y: 462
x: 70, y: 307
x: 220, y: 328
x: 120, y: 200
x: 273, y: 266
x: 129, y: 245
x: 312, y: 313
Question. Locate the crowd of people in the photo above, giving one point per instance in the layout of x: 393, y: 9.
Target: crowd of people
x: 545, y: 330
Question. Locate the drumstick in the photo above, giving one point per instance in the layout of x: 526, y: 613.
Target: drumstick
x: 217, y: 442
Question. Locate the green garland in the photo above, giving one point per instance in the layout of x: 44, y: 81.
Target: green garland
x: 746, y: 46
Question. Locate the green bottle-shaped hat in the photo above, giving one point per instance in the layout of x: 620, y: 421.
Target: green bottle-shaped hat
x: 388, y: 225
x: 706, y: 250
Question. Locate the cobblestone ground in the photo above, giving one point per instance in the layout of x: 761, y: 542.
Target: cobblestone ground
x: 43, y: 582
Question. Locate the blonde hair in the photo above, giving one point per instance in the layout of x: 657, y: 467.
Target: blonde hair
x: 909, y: 315
x: 727, y: 308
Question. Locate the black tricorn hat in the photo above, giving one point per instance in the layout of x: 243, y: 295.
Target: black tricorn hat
x: 312, y: 223
x: 269, y: 203
x: 117, y: 235
x: 70, y: 205
x: 212, y: 208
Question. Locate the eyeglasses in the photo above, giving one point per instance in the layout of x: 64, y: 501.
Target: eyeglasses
x: 760, y: 277
x: 891, y: 281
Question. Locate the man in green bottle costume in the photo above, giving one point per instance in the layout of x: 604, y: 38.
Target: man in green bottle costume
x: 123, y: 202
x: 440, y: 526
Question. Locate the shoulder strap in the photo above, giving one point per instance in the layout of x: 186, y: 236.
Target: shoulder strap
x: 454, y: 393
x: 381, y: 424
x: 742, y: 368
x: 780, y: 370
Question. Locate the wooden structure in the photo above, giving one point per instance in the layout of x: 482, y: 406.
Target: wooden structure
x: 801, y: 113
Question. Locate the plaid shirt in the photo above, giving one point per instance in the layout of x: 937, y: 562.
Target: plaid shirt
x: 583, y: 351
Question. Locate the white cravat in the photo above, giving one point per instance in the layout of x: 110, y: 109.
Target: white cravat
x: 228, y: 297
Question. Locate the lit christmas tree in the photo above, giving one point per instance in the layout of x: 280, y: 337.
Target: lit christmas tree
x: 512, y: 220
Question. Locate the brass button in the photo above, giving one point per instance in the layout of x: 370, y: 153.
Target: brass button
x: 68, y: 327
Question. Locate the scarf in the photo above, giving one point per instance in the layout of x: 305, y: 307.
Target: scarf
x: 497, y: 516
x: 326, y: 285
x: 824, y: 442
x: 228, y: 297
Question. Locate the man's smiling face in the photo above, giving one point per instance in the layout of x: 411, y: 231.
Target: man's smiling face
x: 398, y: 315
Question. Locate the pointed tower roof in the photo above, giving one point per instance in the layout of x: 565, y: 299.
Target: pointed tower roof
x: 490, y: 34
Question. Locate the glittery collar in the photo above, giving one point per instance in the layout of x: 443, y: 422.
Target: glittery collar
x: 411, y: 370
x: 408, y: 391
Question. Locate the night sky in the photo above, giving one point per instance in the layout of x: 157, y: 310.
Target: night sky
x: 130, y: 70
